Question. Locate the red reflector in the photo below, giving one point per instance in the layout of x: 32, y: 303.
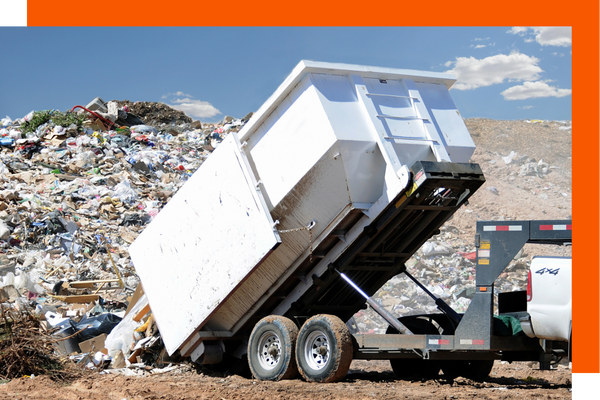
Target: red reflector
x: 569, y: 227
x: 545, y: 227
x: 444, y: 341
x: 477, y: 341
x: 502, y: 228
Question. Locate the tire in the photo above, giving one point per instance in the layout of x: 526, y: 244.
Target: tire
x: 271, y: 349
x: 324, y: 349
x: 410, y: 367
x: 476, y: 370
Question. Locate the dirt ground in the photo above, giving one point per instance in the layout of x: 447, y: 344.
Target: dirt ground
x: 515, y: 191
x: 536, y: 184
x: 366, y: 380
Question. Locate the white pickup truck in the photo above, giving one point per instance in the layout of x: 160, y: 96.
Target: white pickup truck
x: 549, y: 300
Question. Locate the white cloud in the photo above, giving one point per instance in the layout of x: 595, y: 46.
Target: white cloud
x: 529, y: 90
x: 553, y: 36
x: 180, y: 93
x: 481, y: 39
x: 480, y: 46
x: 518, y: 30
x: 545, y: 35
x: 472, y: 73
x: 195, y: 108
x: 190, y: 106
x: 527, y: 107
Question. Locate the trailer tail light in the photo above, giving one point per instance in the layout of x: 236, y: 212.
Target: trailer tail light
x: 529, y: 292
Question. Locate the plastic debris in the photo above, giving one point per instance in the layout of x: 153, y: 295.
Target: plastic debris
x: 76, y: 188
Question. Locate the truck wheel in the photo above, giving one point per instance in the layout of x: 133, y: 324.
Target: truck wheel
x: 324, y: 349
x: 271, y: 349
x: 476, y: 370
x: 411, y: 367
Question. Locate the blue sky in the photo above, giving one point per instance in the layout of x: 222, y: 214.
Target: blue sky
x: 210, y: 72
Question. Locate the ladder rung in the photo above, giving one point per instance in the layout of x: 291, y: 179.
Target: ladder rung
x: 404, y: 118
x: 392, y: 95
x: 418, y: 139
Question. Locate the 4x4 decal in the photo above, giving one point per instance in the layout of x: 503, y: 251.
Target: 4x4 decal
x: 548, y: 270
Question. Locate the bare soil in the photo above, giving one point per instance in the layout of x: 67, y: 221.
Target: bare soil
x: 366, y: 380
x: 511, y: 192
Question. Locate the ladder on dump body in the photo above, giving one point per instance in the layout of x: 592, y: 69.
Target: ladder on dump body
x: 418, y: 110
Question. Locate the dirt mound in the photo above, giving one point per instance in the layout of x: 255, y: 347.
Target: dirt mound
x: 527, y: 166
x: 155, y: 114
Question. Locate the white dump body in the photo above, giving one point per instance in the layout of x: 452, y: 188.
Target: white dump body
x: 333, y: 138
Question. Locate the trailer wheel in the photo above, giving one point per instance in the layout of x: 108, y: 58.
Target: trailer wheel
x: 271, y: 349
x: 411, y: 367
x: 324, y: 349
x: 476, y: 370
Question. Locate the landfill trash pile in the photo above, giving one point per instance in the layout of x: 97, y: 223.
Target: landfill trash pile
x: 157, y: 114
x: 76, y: 188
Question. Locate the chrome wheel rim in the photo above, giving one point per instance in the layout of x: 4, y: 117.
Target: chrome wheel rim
x: 316, y: 350
x: 269, y: 350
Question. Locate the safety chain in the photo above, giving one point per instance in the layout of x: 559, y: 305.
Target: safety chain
x: 308, y: 228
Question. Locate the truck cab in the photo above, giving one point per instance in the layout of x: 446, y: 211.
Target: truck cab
x: 548, y: 299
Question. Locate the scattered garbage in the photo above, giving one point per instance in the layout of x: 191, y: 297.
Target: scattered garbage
x: 76, y: 188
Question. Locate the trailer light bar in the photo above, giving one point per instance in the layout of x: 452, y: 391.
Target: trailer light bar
x: 555, y: 227
x: 497, y: 228
x: 439, y: 341
x: 471, y: 341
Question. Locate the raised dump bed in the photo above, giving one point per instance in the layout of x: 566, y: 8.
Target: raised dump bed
x: 344, y: 167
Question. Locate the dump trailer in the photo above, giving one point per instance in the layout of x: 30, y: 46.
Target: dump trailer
x: 291, y: 224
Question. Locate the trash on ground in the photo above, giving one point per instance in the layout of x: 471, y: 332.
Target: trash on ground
x: 76, y: 188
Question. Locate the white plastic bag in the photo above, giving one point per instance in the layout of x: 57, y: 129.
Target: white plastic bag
x: 124, y: 192
x: 121, y: 337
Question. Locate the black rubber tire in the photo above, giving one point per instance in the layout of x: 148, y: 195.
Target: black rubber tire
x: 283, y: 333
x: 410, y: 367
x: 333, y: 334
x: 476, y: 370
